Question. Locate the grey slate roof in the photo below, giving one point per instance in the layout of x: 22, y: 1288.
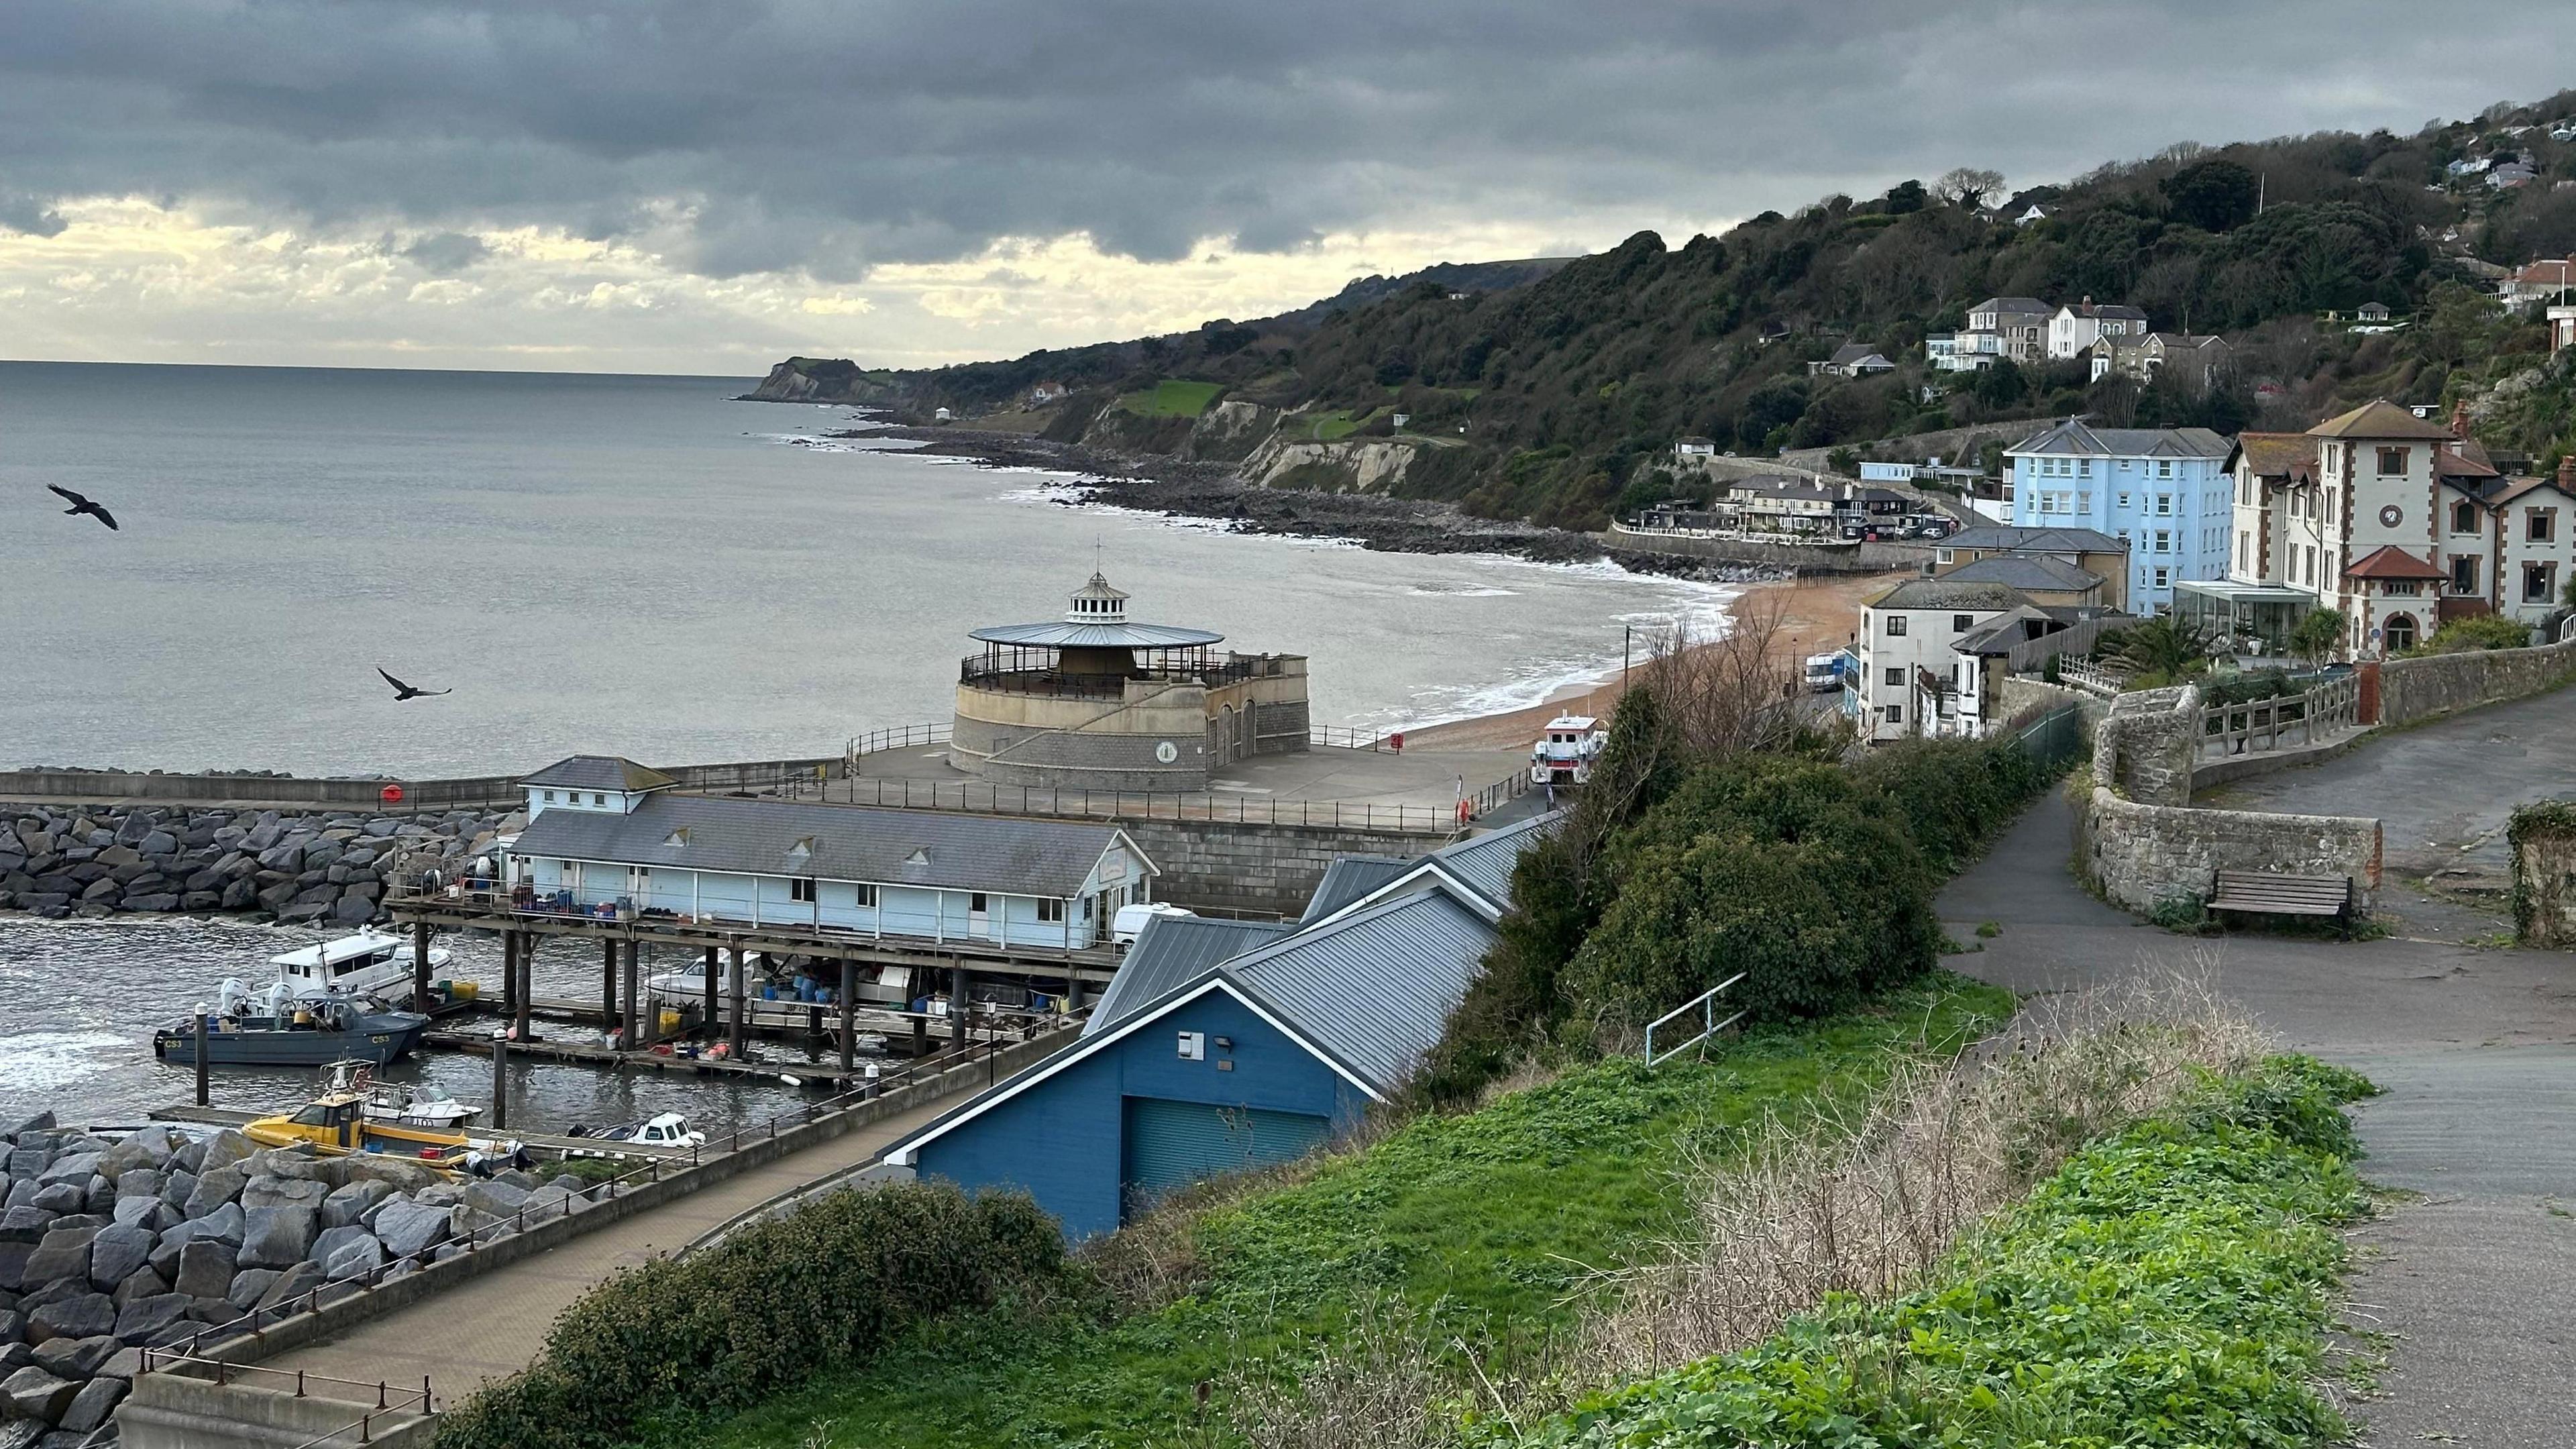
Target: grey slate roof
x: 1347, y: 879
x: 2024, y: 571
x: 2015, y: 538
x: 2076, y: 438
x: 1171, y: 952
x: 1374, y: 988
x: 993, y: 853
x: 598, y: 772
x: 2013, y: 304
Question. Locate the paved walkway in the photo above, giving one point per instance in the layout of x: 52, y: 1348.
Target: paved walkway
x: 2477, y: 1051
x: 493, y: 1325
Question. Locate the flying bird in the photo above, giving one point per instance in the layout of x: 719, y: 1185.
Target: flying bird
x: 404, y: 691
x: 84, y: 505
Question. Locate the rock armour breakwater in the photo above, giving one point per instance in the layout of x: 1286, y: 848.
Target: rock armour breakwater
x: 318, y: 868
x: 153, y: 1240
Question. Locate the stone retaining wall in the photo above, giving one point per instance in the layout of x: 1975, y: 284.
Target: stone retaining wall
x: 2419, y: 688
x: 263, y: 790
x: 1271, y: 869
x: 1829, y: 558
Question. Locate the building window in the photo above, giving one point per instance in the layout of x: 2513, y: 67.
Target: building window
x: 2084, y: 503
x: 2539, y: 583
x: 2164, y: 577
x: 1895, y: 626
x: 2164, y: 541
x: 2244, y: 551
x: 867, y: 897
x: 2164, y: 468
x: 2464, y: 573
x: 1896, y: 679
x: 2312, y: 563
x: 550, y: 797
x: 2539, y: 525
x: 1895, y: 714
x: 2392, y: 462
x: 801, y: 889
x: 975, y: 903
x: 2164, y: 504
x: 2405, y: 588
x: 2464, y: 518
x: 2399, y: 631
x: 1050, y: 912
x: 2124, y: 502
x: 1962, y: 623
x: 598, y: 799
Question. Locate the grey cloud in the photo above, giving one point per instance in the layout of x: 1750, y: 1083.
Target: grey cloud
x: 833, y: 135
x: 26, y: 214
x: 446, y: 253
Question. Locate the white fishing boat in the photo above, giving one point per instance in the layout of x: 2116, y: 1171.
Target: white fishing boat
x: 400, y: 1103
x: 372, y: 963
x: 1563, y: 756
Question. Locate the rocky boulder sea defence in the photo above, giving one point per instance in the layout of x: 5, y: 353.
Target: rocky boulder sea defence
x: 159, y: 1238
x: 297, y: 869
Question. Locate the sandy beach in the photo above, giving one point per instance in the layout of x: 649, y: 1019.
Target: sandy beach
x: 1817, y: 615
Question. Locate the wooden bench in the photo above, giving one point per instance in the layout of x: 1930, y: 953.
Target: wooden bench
x: 2284, y: 895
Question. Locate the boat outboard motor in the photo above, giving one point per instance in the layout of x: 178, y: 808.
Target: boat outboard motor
x: 233, y: 997
x: 281, y: 1000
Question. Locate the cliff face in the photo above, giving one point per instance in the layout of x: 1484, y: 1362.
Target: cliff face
x: 819, y: 380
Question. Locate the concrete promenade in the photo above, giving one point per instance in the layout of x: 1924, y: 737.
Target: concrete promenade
x: 2477, y: 1051
x: 492, y: 1326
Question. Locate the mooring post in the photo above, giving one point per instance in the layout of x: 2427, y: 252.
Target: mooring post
x: 608, y: 984
x: 707, y: 1019
x: 500, y: 1081
x: 420, y: 966
x: 509, y: 975
x: 205, y: 1028
x: 849, y: 1012
x: 527, y: 980
x: 636, y: 1031
x: 957, y: 1005
x: 733, y: 1026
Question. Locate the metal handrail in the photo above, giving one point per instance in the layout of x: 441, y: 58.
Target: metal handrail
x: 388, y: 1398
x: 1706, y: 1003
x: 1079, y: 804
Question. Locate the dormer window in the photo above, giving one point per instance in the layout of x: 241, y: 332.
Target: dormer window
x: 801, y: 852
x: 599, y: 800
x: 677, y: 837
x: 918, y: 857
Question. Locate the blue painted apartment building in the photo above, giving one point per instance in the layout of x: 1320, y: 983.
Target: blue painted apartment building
x: 1226, y: 1045
x: 605, y: 830
x: 2163, y: 492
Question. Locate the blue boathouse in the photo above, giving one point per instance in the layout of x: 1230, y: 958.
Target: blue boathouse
x: 1226, y: 1045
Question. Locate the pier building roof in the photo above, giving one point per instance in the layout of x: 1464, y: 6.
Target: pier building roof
x: 598, y: 772
x: 931, y: 848
x: 1097, y: 620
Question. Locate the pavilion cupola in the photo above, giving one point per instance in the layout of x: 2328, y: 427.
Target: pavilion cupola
x: 1097, y: 603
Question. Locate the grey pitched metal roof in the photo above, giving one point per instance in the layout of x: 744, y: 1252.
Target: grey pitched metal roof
x: 1348, y: 878
x: 2016, y: 538
x: 1484, y: 863
x: 2075, y: 437
x: 1171, y: 952
x: 1052, y: 858
x: 598, y: 772
x: 1375, y: 987
x: 2024, y: 571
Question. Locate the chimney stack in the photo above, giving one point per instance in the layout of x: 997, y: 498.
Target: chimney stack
x: 2567, y: 473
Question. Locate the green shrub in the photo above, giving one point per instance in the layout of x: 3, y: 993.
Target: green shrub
x: 826, y: 1285
x: 1953, y: 796
x: 2168, y: 1286
x: 2481, y: 631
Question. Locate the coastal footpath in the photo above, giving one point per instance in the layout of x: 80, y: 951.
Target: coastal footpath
x: 296, y: 869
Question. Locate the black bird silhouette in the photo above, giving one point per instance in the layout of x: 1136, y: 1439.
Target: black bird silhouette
x: 404, y: 691
x: 84, y: 505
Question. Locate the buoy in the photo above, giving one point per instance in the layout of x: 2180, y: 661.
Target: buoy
x: 391, y: 794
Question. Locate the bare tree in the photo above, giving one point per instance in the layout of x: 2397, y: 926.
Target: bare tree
x: 1736, y: 691
x: 1968, y: 187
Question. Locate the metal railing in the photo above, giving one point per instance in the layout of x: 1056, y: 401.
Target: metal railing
x: 2054, y: 738
x: 614, y: 905
x: 2286, y: 721
x: 1045, y: 801
x: 1343, y: 737
x: 2091, y: 677
x: 900, y: 737
x: 389, y: 1400
x: 256, y: 1322
x: 1706, y: 1005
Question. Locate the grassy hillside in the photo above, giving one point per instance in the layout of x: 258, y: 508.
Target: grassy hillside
x: 1569, y: 380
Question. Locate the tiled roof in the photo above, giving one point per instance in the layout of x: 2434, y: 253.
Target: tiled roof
x: 2522, y: 487
x: 1943, y: 594
x: 2447, y: 464
x: 2275, y: 455
x: 2391, y: 562
x: 2075, y: 437
x: 598, y: 772
x: 2378, y: 419
x: 2012, y: 304
x: 936, y: 848
x: 2024, y: 571
x: 2021, y: 538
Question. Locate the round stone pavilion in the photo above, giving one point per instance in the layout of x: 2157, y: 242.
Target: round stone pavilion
x: 1095, y: 702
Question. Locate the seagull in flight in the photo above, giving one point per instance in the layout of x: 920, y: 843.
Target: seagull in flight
x: 85, y: 505
x: 404, y: 691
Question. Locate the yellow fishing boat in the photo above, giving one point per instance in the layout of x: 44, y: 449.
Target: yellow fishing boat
x: 336, y: 1124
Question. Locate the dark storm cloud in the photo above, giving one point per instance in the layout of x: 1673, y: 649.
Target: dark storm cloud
x: 832, y: 134
x: 445, y: 253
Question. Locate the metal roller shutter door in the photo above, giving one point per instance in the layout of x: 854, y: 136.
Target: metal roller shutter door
x: 1168, y: 1145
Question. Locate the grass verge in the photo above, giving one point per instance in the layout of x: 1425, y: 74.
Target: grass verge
x: 1172, y: 398
x: 1494, y: 1222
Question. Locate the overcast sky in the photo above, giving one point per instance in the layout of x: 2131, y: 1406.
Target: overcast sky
x: 706, y: 185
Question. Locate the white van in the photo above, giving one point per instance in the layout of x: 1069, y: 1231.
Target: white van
x: 1130, y: 920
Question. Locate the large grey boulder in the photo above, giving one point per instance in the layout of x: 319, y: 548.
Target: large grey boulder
x: 290, y: 1285
x: 225, y: 1224
x: 409, y: 1228
x: 13, y: 1325
x: 13, y: 1265
x: 75, y: 1358
x: 147, y: 1319
x: 353, y: 910
x: 148, y: 1148
x: 141, y: 1283
x: 63, y: 1253
x: 363, y: 1254
x: 499, y: 1199
x: 137, y: 1181
x: 32, y: 1393
x: 76, y: 1168
x: 402, y: 1174
x: 176, y: 1184
x: 150, y: 1214
x: 223, y: 1150
x: 216, y: 1186
x: 86, y: 1316
x: 278, y: 1192
x: 249, y: 1286
x: 205, y: 1270
x: 350, y: 1204
x: 280, y: 857
x: 93, y: 1405
x: 332, y: 1240
x: 25, y: 1224
x: 117, y: 1252
x: 276, y: 1237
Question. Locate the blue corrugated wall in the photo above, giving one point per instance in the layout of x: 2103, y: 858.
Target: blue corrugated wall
x: 1061, y: 1139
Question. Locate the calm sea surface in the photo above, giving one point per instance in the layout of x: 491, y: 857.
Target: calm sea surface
x: 630, y: 565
